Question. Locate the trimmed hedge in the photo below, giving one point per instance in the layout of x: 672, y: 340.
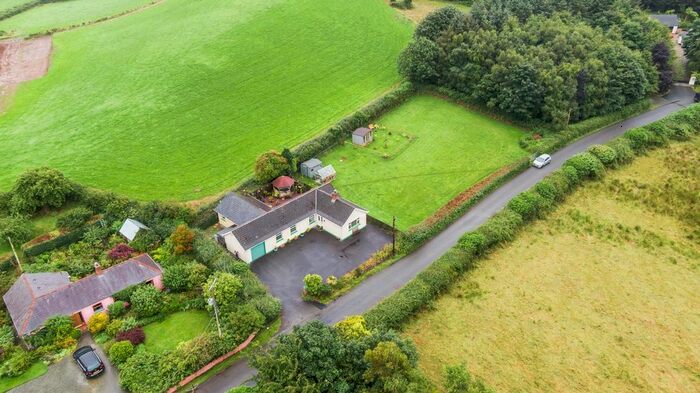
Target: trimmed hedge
x: 59, y: 241
x: 420, y: 292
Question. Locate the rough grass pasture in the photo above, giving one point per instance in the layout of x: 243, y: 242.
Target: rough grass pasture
x: 174, y: 329
x: 602, y: 296
x: 453, y: 149
x: 65, y: 14
x: 176, y: 101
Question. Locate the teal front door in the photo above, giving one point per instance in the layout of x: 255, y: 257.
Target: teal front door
x: 258, y: 251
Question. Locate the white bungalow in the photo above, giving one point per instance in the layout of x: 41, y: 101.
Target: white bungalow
x: 321, y: 208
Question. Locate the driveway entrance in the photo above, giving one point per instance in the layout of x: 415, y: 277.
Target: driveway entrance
x: 317, y: 252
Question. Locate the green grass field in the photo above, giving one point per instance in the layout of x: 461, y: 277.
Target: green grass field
x: 176, y: 328
x: 602, y: 296
x: 35, y: 371
x: 64, y: 14
x: 454, y: 149
x: 176, y: 102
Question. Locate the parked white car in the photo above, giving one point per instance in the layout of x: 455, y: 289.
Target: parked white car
x: 542, y: 160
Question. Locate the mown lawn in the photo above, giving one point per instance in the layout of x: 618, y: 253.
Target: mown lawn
x: 602, y: 296
x: 176, y: 328
x: 453, y: 149
x: 176, y: 102
x: 64, y: 14
x: 35, y: 371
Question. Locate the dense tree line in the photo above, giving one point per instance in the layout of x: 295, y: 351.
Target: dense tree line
x: 555, y: 61
x: 691, y: 44
x: 668, y: 5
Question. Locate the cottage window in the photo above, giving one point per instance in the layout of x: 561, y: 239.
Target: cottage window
x: 98, y: 308
x: 312, y: 220
x: 293, y: 229
x: 279, y: 237
x: 355, y: 223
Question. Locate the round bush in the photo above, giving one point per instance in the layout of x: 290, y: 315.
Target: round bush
x: 501, y: 227
x: 313, y: 284
x: 639, y: 139
x: 268, y: 306
x: 116, y: 309
x: 473, y: 243
x: 623, y: 151
x: 605, y: 154
x: 98, y: 322
x: 245, y: 320
x: 114, y: 327
x: 586, y: 165
x: 528, y: 204
x: 146, y: 301
x: 121, y: 351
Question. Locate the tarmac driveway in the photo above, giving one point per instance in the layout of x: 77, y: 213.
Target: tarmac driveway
x: 317, y: 252
x: 65, y: 376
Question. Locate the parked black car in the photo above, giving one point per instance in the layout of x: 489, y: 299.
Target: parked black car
x: 697, y: 97
x: 88, y: 361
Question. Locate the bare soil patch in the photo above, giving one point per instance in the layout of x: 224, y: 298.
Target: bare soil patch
x: 21, y: 61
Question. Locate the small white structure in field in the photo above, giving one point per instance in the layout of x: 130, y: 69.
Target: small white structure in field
x: 362, y: 136
x: 130, y: 228
x: 692, y: 81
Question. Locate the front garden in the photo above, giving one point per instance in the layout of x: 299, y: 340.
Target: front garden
x: 173, y: 330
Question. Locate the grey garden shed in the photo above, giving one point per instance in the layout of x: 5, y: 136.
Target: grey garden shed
x: 310, y: 167
x: 362, y: 136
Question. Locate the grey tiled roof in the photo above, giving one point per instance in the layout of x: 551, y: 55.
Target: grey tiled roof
x: 30, y: 304
x: 667, y: 20
x: 240, y: 209
x: 361, y: 131
x: 315, y: 201
x: 312, y: 163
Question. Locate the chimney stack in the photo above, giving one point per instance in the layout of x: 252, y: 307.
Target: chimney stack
x: 98, y: 268
x: 334, y: 196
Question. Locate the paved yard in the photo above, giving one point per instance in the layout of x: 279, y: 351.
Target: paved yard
x: 317, y: 252
x: 65, y: 376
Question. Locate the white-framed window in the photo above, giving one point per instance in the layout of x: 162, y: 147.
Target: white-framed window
x: 293, y: 229
x: 355, y: 223
x: 312, y: 220
x: 279, y: 237
x: 98, y: 308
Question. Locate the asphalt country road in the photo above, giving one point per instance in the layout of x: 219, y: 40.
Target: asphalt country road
x: 383, y: 284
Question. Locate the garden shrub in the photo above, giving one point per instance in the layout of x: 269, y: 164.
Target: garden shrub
x: 182, y: 239
x: 225, y: 288
x: 141, y: 373
x: 125, y: 294
x: 243, y: 321
x: 120, y: 252
x: 268, y: 306
x: 121, y: 351
x: 7, y: 336
x: 135, y: 336
x: 473, y: 243
x: 98, y: 322
x: 146, y: 301
x: 128, y: 324
x: 114, y: 327
x: 572, y: 176
x: 74, y: 219
x: 19, y: 229
x: 116, y: 309
x: 145, y: 241
x: 183, y: 277
x: 587, y: 165
x: 55, y: 329
x: 500, y: 228
x: 16, y: 363
x: 270, y: 165
x: 550, y: 190
x: 528, y: 204
x: 605, y: 154
x: 314, y: 285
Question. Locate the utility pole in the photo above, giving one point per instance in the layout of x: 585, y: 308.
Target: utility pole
x: 212, y: 302
x: 19, y: 263
x: 393, y: 236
